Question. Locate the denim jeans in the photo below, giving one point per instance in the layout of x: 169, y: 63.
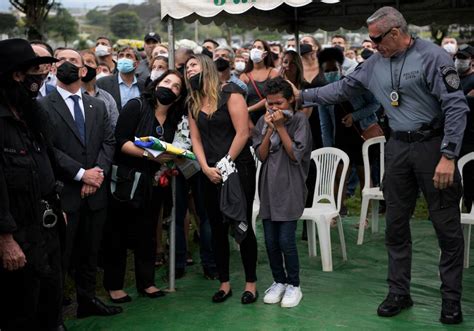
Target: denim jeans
x: 280, y: 241
x: 327, y: 120
x: 182, y: 189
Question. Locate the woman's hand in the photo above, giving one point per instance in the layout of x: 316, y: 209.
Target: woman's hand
x: 213, y: 174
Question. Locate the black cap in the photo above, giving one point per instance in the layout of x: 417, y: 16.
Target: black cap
x: 15, y: 53
x: 465, y: 50
x: 305, y: 49
x: 211, y: 41
x: 153, y: 36
x: 331, y: 53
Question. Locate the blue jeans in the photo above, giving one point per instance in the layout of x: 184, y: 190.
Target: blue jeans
x: 182, y: 189
x: 327, y: 120
x: 280, y: 241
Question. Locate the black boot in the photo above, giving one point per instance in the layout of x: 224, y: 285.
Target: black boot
x: 393, y: 305
x: 451, y: 312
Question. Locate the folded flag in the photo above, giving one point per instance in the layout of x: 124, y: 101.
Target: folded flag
x: 162, y: 146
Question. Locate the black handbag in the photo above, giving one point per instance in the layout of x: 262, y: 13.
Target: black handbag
x: 126, y: 185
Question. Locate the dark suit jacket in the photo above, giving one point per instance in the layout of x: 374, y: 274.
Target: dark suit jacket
x: 111, y: 85
x: 71, y: 154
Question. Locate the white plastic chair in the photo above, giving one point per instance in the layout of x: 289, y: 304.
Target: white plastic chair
x: 371, y: 194
x: 467, y: 219
x: 325, y: 207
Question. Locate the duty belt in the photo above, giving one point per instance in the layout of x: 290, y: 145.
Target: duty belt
x: 418, y: 135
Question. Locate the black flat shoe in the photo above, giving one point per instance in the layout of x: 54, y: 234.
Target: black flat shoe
x: 95, y: 307
x: 124, y: 299
x: 152, y: 295
x: 451, y: 312
x: 249, y: 297
x: 221, y: 296
x: 393, y: 305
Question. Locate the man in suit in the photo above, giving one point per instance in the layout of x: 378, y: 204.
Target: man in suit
x: 124, y: 85
x: 84, y: 147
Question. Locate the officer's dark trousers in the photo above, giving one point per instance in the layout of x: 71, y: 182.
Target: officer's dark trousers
x: 83, y: 237
x: 31, y: 298
x: 408, y: 167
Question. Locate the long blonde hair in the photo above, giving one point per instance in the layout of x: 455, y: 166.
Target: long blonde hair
x: 210, y: 87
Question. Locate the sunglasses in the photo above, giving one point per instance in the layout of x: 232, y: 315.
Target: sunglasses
x: 378, y: 39
x: 160, y: 131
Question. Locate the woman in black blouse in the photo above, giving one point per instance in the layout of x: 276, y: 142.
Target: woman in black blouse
x: 156, y: 113
x: 218, y: 121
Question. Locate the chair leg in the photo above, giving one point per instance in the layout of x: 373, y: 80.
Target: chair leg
x: 311, y: 231
x: 363, y: 216
x: 341, y: 238
x: 467, y: 243
x: 375, y: 216
x: 324, y: 236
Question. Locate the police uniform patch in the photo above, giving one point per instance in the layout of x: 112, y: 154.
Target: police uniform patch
x: 451, y: 78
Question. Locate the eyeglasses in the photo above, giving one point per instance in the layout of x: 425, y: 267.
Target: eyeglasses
x: 160, y: 131
x: 378, y: 39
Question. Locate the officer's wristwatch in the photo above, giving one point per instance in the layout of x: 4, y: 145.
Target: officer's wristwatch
x: 449, y: 156
x: 145, y: 154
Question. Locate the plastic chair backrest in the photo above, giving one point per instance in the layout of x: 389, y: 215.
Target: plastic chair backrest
x: 461, y: 163
x: 327, y: 160
x: 365, y: 155
x: 257, y: 174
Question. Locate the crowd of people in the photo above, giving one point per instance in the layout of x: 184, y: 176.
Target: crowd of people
x: 76, y: 192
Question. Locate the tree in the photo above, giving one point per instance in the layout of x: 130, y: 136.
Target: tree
x: 125, y: 24
x: 63, y: 25
x: 36, y: 12
x: 95, y: 17
x: 7, y: 22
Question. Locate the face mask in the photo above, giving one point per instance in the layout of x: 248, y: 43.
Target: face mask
x: 102, y: 74
x: 102, y: 50
x: 164, y: 54
x: 256, y: 55
x: 125, y: 66
x: 196, y: 82
x: 51, y: 79
x: 240, y: 66
x: 155, y: 74
x: 181, y: 70
x: 450, y: 48
x: 165, y: 96
x: 207, y: 52
x: 462, y: 65
x: 332, y: 76
x: 32, y: 83
x: 291, y: 48
x: 91, y: 74
x: 222, y: 64
x: 68, y: 73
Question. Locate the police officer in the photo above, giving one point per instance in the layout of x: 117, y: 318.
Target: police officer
x: 30, y: 268
x: 419, y: 88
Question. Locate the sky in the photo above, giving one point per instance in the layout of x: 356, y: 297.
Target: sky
x: 89, y: 4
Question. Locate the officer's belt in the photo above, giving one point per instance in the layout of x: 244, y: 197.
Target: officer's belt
x: 418, y: 135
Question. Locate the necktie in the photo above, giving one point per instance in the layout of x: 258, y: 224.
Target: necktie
x: 79, y: 118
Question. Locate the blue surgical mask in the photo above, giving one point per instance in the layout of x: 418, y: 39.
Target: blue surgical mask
x: 332, y: 76
x: 125, y: 65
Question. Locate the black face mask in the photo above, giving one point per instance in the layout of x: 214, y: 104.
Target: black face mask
x: 207, y: 52
x: 32, y: 83
x: 165, y: 96
x: 181, y: 70
x: 91, y: 73
x: 68, y: 73
x: 222, y: 64
x: 196, y: 82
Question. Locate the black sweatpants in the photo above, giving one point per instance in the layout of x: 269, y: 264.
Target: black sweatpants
x: 220, y: 230
x: 408, y: 167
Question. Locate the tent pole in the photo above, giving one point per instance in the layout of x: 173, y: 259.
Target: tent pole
x: 297, y: 32
x: 172, y: 231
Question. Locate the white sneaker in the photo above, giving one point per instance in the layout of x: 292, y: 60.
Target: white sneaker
x: 292, y: 297
x: 274, y: 293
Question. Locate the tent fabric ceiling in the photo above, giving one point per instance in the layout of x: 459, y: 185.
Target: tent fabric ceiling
x: 348, y: 14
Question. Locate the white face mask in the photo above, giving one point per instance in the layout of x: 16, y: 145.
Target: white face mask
x: 291, y: 48
x: 450, y: 48
x: 462, y: 65
x: 240, y: 66
x: 155, y: 74
x: 256, y: 55
x: 102, y: 74
x: 101, y: 50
